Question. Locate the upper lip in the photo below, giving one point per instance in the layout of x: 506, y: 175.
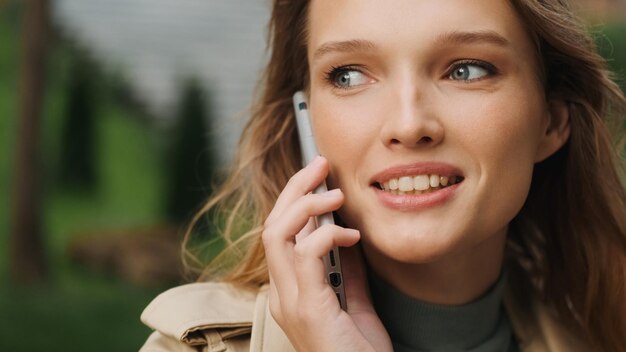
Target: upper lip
x: 419, y: 168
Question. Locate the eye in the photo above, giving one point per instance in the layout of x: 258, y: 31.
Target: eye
x: 346, y: 77
x: 470, y: 71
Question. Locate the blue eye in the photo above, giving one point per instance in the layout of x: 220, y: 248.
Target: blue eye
x: 470, y: 71
x: 346, y: 77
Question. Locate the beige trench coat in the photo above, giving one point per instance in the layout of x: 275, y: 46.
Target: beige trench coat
x: 215, y: 317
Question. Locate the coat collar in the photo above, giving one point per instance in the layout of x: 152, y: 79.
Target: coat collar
x: 184, y: 312
x: 188, y: 312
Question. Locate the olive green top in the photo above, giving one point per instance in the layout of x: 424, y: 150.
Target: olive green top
x: 479, y: 326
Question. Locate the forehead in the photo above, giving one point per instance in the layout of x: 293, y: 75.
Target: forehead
x: 412, y: 23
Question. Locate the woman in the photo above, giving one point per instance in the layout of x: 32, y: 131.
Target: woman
x: 467, y: 149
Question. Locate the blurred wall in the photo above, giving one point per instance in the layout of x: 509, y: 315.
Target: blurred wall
x: 157, y: 43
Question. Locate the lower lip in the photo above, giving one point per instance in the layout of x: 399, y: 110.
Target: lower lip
x: 409, y: 202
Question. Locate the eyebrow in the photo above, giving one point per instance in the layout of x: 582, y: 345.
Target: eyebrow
x: 473, y: 37
x: 348, y: 46
x: 454, y: 37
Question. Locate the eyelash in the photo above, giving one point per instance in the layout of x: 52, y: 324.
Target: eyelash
x: 331, y: 75
x: 491, y: 69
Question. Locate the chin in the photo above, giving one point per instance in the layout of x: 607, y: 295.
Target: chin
x: 413, y: 247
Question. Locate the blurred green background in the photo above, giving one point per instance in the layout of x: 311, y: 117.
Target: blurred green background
x: 116, y: 190
x: 111, y: 184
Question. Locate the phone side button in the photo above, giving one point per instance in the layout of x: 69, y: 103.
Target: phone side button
x: 335, y: 279
x: 331, y: 256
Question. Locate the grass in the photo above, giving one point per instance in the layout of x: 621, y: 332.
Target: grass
x: 84, y: 313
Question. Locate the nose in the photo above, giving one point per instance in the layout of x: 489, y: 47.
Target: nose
x: 413, y: 120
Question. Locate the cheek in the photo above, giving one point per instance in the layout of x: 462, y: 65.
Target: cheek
x: 343, y: 132
x: 503, y: 139
x: 340, y: 125
x: 500, y: 129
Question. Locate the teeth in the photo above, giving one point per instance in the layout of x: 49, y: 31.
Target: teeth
x: 418, y: 184
x: 405, y: 184
x: 434, y: 181
x: 421, y: 182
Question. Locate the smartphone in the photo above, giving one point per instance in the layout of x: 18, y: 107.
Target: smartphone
x: 309, y: 150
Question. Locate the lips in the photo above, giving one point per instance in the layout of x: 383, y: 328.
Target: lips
x: 417, y: 185
x: 417, y: 176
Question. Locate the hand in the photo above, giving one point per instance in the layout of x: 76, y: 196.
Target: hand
x: 300, y: 299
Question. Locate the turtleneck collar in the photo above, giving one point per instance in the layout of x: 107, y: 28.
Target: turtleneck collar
x: 481, y: 325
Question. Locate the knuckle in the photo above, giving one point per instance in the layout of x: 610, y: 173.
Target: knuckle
x: 327, y: 232
x: 300, y: 253
x: 303, y: 204
x: 296, y: 180
x: 266, y: 236
x: 310, y: 204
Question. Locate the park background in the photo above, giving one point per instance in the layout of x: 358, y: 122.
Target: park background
x: 141, y: 105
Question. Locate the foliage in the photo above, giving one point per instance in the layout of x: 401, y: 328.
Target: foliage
x: 191, y: 159
x: 78, y: 149
x: 612, y: 45
x: 77, y: 308
x: 9, y: 47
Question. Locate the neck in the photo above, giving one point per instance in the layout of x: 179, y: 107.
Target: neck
x: 454, y: 279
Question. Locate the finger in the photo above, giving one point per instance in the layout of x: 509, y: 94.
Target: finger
x: 303, y: 182
x: 289, y: 288
x: 293, y: 219
x: 279, y: 238
x: 280, y: 271
x: 306, y: 230
x: 309, y: 266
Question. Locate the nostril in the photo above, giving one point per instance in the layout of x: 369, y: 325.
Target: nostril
x: 425, y: 140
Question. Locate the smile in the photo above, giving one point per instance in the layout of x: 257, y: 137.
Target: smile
x: 419, y: 184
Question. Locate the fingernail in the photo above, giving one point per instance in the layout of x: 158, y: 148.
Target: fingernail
x: 332, y: 193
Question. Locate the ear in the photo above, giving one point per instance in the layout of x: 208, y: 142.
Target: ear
x: 556, y: 130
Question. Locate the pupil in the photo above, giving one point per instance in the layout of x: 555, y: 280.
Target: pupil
x: 461, y: 72
x: 344, y: 79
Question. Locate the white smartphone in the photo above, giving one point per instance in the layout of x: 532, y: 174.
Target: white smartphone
x: 309, y: 152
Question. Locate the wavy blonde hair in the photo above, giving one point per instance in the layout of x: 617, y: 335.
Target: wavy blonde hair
x: 568, y: 243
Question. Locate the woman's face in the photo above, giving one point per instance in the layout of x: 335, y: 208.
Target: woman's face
x: 407, y: 92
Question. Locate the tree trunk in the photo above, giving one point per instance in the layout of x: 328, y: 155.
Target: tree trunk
x: 27, y: 257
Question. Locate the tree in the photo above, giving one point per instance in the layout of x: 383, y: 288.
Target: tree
x: 191, y: 157
x: 27, y: 256
x: 78, y: 149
